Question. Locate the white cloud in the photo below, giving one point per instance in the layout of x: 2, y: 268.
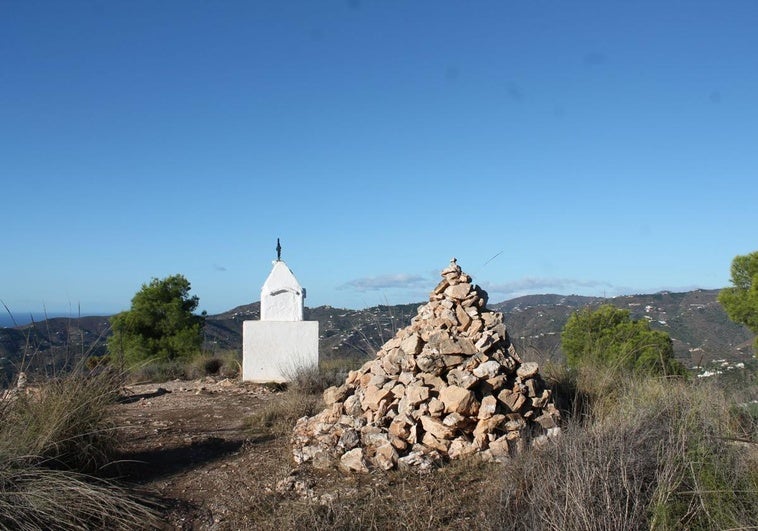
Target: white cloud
x: 570, y: 286
x: 544, y: 285
x: 390, y: 281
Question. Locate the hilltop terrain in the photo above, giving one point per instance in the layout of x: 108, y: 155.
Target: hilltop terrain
x: 216, y: 453
x: 697, y: 323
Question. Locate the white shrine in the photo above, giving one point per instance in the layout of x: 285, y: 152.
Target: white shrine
x: 282, y: 297
x: 281, y: 343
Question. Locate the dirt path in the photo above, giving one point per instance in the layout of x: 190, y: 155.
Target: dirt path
x: 191, y: 445
x: 201, y: 450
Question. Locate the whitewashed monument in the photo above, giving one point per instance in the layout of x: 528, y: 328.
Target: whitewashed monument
x: 281, y: 343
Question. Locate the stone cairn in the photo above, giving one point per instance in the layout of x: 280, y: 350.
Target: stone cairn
x: 448, y: 386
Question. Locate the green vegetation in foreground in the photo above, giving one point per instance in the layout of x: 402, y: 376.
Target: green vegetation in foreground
x: 645, y: 453
x: 741, y: 300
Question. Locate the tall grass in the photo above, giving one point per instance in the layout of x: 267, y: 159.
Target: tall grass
x: 314, y: 379
x: 49, y: 437
x: 65, y: 421
x: 34, y: 498
x: 43, y: 357
x: 652, y: 454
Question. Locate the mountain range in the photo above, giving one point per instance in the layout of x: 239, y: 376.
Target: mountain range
x: 696, y: 322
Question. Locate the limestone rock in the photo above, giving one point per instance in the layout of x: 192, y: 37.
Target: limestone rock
x: 436, y: 407
x: 458, y: 292
x: 416, y: 394
x: 349, y: 440
x: 436, y: 428
x: 354, y: 461
x: 352, y: 406
x: 454, y: 420
x: 412, y: 344
x: 386, y: 457
x: 461, y: 378
x: 488, y: 407
x: 459, y: 400
x: 373, y: 396
x: 513, y: 401
x: 527, y: 370
x: 335, y: 394
x: 488, y: 369
x: 460, y: 447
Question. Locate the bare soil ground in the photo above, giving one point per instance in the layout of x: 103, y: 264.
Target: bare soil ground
x: 191, y: 445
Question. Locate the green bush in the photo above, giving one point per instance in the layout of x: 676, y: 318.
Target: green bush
x: 231, y: 363
x: 223, y: 365
x: 160, y: 324
x: 608, y: 337
x: 741, y: 299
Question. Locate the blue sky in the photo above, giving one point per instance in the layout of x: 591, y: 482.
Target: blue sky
x: 590, y: 147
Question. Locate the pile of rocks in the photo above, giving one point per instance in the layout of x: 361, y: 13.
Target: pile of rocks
x: 448, y: 386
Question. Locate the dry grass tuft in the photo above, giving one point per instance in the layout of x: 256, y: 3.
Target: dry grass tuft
x: 314, y: 379
x: 226, y: 364
x: 452, y: 497
x: 300, y: 397
x: 49, y: 436
x: 279, y: 415
x: 35, y: 497
x: 653, y: 454
x: 63, y: 421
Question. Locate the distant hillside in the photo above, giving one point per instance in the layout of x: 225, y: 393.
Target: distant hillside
x: 19, y: 319
x: 695, y: 320
x: 50, y: 346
